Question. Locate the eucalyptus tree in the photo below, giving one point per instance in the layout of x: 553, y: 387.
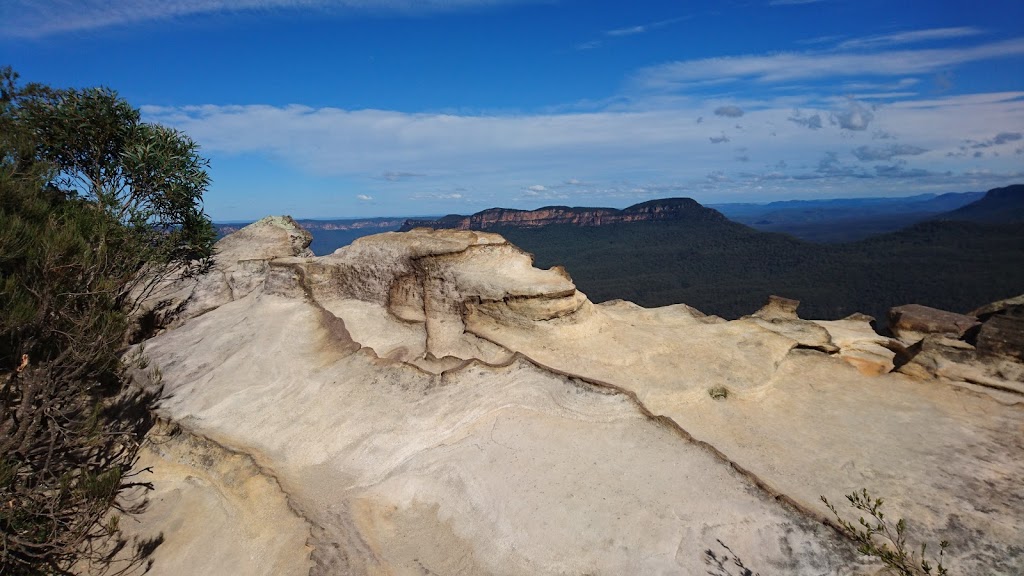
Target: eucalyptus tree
x: 96, y: 206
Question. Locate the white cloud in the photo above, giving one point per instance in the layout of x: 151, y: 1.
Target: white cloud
x: 364, y: 197
x: 30, y: 18
x: 788, y: 66
x: 608, y: 155
x: 855, y: 117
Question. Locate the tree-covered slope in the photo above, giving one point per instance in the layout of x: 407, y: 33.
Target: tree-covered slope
x: 728, y: 269
x: 998, y: 205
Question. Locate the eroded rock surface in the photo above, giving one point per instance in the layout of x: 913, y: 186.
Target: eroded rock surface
x: 429, y: 403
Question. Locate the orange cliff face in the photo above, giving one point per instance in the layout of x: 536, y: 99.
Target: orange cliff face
x: 667, y: 209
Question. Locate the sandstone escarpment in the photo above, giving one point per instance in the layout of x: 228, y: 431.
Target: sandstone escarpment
x: 428, y: 402
x: 654, y: 210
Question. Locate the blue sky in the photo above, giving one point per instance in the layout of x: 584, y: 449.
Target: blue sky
x: 353, y: 108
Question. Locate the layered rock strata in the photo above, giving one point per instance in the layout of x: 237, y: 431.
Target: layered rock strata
x: 429, y: 403
x: 654, y: 210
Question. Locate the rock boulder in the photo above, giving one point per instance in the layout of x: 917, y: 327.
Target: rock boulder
x: 912, y: 322
x: 1002, y: 329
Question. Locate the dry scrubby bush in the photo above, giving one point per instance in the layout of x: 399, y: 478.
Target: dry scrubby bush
x: 875, y: 537
x: 881, y: 539
x: 95, y: 207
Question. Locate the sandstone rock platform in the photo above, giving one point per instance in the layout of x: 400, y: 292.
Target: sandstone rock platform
x: 427, y: 402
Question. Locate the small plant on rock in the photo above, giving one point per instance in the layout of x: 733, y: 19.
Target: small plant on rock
x: 879, y: 538
x: 722, y: 564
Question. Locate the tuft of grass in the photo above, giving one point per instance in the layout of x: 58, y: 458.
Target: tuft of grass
x: 718, y: 392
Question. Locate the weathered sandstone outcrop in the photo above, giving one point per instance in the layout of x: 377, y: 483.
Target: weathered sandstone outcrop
x: 912, y: 322
x: 429, y: 403
x: 985, y: 348
x: 654, y: 210
x: 1002, y: 329
x: 239, y: 267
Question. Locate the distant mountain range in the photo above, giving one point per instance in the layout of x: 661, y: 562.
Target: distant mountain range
x: 847, y: 219
x: 651, y: 211
x: 838, y: 220
x: 829, y: 221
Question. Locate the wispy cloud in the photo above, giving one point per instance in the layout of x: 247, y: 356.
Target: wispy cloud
x: 590, y: 45
x: 901, y: 84
x: 34, y: 18
x: 395, y: 176
x: 886, y: 153
x: 909, y: 37
x: 812, y: 121
x: 642, y: 28
x: 438, y: 196
x: 789, y: 66
x: 628, y: 31
x: 997, y: 140
x: 729, y: 111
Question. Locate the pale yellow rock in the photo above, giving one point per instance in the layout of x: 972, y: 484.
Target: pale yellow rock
x: 957, y: 361
x: 860, y: 346
x: 213, y: 512
x: 239, y: 266
x: 430, y: 403
x: 779, y: 315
